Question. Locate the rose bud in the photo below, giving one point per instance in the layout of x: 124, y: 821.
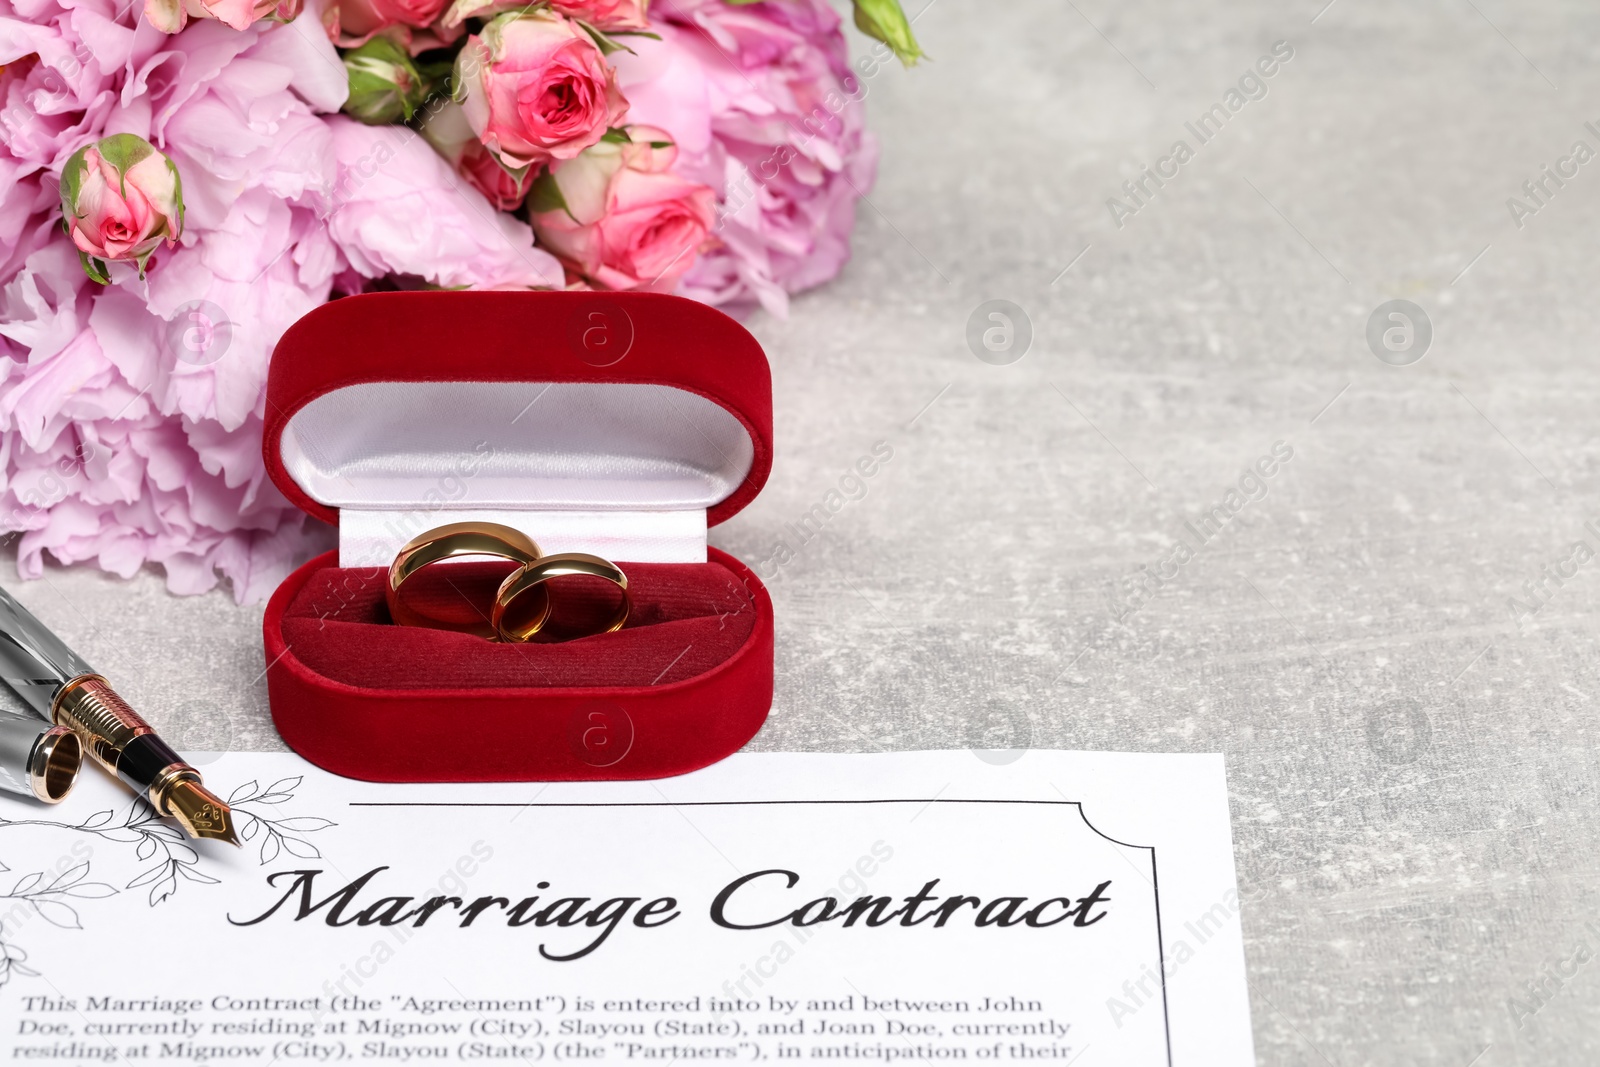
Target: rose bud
x: 885, y: 20
x: 505, y: 189
x: 120, y: 198
x: 385, y: 85
x: 619, y: 217
x: 535, y: 88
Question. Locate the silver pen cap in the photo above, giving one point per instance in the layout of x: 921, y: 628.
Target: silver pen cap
x: 38, y: 759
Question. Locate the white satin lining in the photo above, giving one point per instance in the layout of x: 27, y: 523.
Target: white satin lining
x: 655, y: 456
x: 373, y: 538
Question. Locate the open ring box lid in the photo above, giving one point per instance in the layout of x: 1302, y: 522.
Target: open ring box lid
x: 621, y: 424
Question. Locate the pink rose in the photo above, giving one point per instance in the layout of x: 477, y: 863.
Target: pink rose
x: 120, y: 199
x: 361, y: 18
x: 169, y: 16
x: 606, y: 14
x: 447, y: 130
x: 535, y: 88
x: 484, y: 172
x: 619, y: 217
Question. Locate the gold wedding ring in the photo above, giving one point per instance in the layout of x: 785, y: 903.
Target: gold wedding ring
x: 531, y: 577
x: 463, y: 539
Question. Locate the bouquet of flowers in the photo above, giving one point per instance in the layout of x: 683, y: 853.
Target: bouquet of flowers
x: 179, y: 184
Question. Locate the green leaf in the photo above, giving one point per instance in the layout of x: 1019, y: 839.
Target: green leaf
x: 94, y: 268
x: 885, y: 21
x: 123, y: 150
x: 72, y: 181
x: 177, y: 193
x: 544, y: 195
x: 517, y: 173
x: 602, y: 41
x: 616, y: 135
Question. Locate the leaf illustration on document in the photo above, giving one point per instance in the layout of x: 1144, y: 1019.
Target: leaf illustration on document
x: 165, y: 859
x: 46, y: 897
x: 277, y: 834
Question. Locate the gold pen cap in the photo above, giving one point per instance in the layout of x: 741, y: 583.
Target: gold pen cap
x: 37, y: 759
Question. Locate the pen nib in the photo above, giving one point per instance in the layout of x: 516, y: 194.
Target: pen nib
x: 200, y: 813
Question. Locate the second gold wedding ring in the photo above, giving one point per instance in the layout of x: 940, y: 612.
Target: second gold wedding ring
x: 464, y: 539
x: 514, y: 624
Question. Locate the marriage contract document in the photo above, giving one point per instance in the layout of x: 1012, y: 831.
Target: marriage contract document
x: 901, y: 909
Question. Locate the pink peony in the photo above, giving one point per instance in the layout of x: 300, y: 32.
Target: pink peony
x: 536, y: 88
x: 397, y: 208
x: 130, y: 413
x: 766, y: 110
x: 120, y: 199
x: 619, y: 217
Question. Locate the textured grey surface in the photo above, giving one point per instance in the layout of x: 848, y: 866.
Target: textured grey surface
x: 1414, y: 773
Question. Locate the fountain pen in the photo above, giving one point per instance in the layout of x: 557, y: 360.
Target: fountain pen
x: 59, y: 686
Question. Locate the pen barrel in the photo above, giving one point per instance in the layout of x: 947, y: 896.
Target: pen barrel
x: 34, y: 661
x: 119, y: 739
x: 37, y: 759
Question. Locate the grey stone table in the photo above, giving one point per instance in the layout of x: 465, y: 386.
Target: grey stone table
x: 1412, y: 756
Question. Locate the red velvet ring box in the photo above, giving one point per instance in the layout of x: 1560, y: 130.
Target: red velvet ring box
x: 621, y: 424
